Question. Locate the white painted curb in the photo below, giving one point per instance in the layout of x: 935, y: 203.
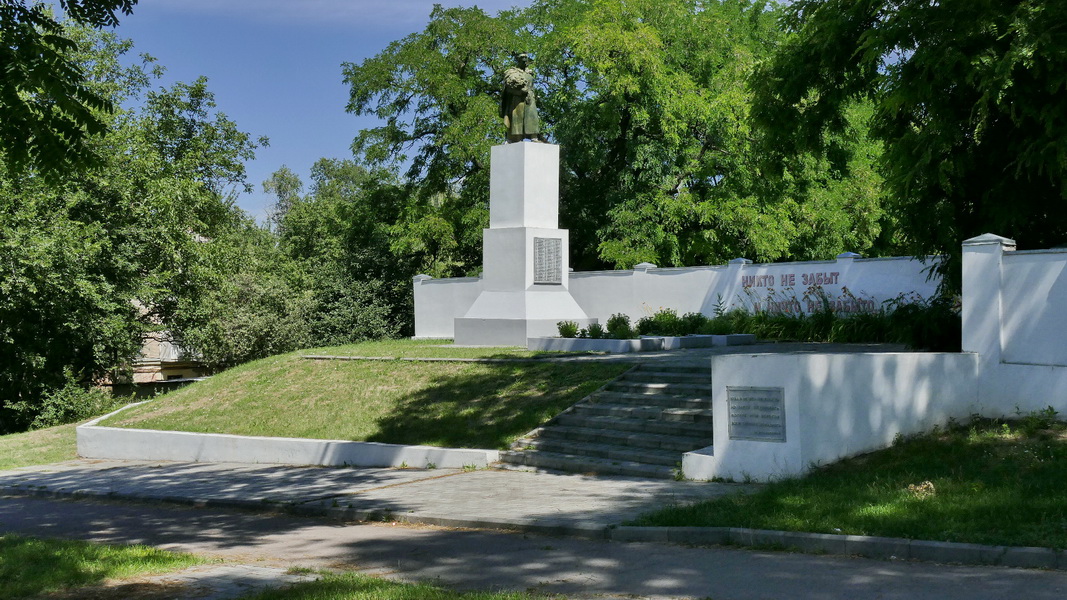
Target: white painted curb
x: 146, y: 444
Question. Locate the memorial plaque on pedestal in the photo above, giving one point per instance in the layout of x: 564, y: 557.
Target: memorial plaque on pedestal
x: 756, y: 414
x: 548, y: 261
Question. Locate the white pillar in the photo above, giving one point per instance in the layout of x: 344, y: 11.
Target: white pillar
x: 982, y: 308
x: 525, y: 276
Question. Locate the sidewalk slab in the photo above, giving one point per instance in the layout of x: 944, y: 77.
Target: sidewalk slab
x: 548, y: 502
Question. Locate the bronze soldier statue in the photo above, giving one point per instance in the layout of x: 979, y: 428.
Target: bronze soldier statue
x: 518, y: 103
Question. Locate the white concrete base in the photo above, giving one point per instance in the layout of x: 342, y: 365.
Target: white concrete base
x: 835, y: 406
x: 146, y: 444
x: 500, y: 318
x: 648, y: 343
x: 558, y: 344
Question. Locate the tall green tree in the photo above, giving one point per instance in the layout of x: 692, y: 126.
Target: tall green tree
x: 51, y: 109
x: 968, y: 100
x: 93, y: 258
x: 341, y: 234
x: 650, y: 103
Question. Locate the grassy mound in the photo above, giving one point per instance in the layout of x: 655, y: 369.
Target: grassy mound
x: 449, y: 404
x: 989, y: 482
x: 40, y: 447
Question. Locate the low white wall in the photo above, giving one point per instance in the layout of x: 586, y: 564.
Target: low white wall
x: 835, y: 406
x: 439, y: 302
x: 1015, y: 318
x: 853, y: 283
x: 145, y: 444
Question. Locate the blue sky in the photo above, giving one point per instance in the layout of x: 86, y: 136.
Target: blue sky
x: 275, y: 65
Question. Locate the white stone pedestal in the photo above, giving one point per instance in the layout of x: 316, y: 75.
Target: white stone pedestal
x: 525, y: 254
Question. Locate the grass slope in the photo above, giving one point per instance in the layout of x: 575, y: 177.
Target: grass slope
x: 461, y: 405
x: 990, y: 482
x: 40, y: 447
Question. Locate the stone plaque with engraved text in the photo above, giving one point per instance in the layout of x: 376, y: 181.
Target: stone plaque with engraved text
x: 548, y: 261
x: 756, y: 413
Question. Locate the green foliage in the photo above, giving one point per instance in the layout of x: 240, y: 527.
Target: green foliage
x: 95, y: 258
x: 72, y: 403
x: 341, y: 236
x: 649, y: 101
x: 567, y: 329
x: 665, y: 321
x: 967, y: 101
x: 250, y: 310
x: 595, y: 331
x: 920, y: 324
x: 52, y: 113
x: 619, y: 327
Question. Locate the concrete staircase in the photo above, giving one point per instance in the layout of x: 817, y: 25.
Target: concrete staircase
x: 638, y: 425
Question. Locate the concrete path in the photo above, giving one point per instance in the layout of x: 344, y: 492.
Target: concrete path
x: 550, y: 503
x: 486, y: 560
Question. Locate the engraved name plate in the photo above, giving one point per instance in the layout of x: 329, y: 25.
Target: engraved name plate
x: 756, y: 413
x: 548, y: 260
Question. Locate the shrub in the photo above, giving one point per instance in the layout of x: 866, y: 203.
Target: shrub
x: 595, y: 331
x: 619, y: 327
x: 68, y: 404
x: 667, y: 322
x: 927, y: 325
x: 720, y: 325
x: 567, y: 329
x: 692, y: 322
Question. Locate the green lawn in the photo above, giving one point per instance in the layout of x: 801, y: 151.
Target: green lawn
x: 423, y: 349
x: 32, y: 566
x: 450, y: 404
x: 353, y: 586
x: 41, y: 447
x: 37, y: 567
x: 990, y: 482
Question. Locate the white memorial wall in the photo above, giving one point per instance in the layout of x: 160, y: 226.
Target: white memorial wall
x: 851, y: 285
x: 1015, y: 320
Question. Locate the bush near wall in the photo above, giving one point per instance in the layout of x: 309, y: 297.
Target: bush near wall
x: 920, y: 324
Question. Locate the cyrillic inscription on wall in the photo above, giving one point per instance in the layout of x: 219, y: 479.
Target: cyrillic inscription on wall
x: 548, y: 260
x: 756, y: 413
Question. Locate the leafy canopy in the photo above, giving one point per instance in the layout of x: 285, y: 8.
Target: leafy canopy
x: 94, y: 258
x: 51, y: 111
x: 650, y: 103
x: 969, y: 99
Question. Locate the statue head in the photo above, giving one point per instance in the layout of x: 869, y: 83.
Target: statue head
x: 523, y: 60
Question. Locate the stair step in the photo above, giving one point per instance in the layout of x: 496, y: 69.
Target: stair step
x: 685, y: 369
x: 608, y: 423
x: 669, y: 458
x: 668, y: 377
x: 675, y: 389
x: 606, y: 397
x: 692, y: 415
x: 628, y: 439
x: 587, y: 465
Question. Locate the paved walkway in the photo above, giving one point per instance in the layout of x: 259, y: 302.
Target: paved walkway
x: 468, y: 559
x: 551, y: 503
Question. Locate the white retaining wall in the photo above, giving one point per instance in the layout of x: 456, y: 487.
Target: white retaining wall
x: 854, y: 284
x: 146, y: 444
x: 1015, y: 318
x: 834, y: 406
